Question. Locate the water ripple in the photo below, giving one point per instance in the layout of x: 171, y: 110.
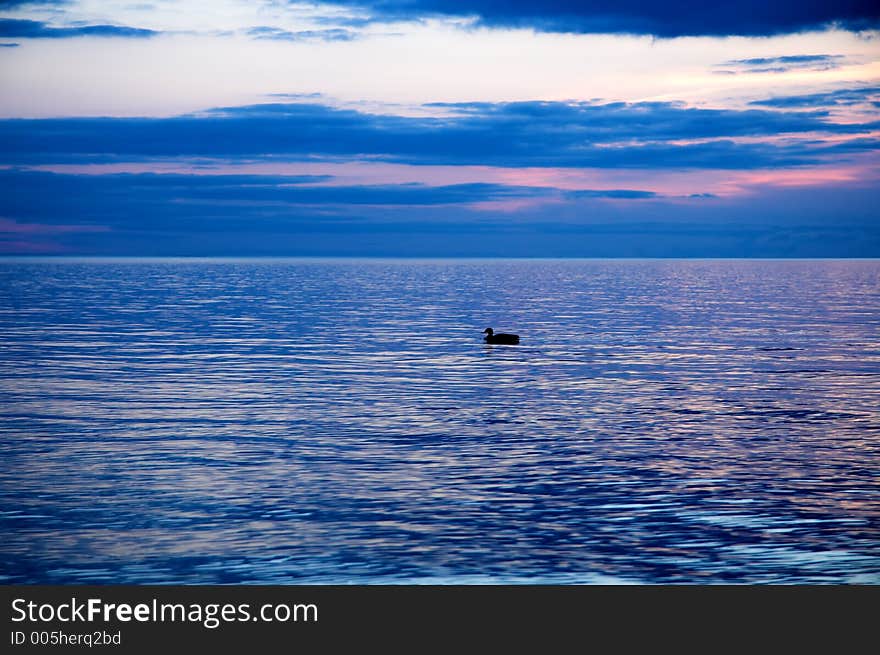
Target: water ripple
x: 314, y: 421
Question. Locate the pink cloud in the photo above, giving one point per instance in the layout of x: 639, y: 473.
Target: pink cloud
x: 31, y: 238
x: 681, y: 183
x: 10, y: 226
x: 22, y: 247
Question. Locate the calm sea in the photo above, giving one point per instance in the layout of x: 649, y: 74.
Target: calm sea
x: 335, y: 421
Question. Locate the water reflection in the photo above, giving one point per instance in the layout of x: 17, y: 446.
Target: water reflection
x: 302, y: 421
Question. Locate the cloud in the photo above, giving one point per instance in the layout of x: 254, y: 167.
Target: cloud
x: 267, y: 33
x: 8, y: 226
x: 516, y: 134
x: 661, y: 18
x: 43, y: 195
x: 628, y: 194
x: 32, y: 29
x: 137, y: 212
x: 836, y: 98
x: 788, y: 60
x: 180, y: 214
x: 9, y: 45
x: 354, y: 22
x: 783, y: 64
x: 296, y: 96
x: 18, y: 3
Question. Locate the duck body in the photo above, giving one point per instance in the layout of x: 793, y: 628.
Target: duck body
x: 501, y: 337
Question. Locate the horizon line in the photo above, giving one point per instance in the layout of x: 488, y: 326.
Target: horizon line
x: 58, y: 258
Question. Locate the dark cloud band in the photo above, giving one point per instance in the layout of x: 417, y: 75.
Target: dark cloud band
x: 520, y: 134
x: 662, y: 18
x: 32, y: 29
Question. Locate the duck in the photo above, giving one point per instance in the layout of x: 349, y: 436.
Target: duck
x: 501, y: 337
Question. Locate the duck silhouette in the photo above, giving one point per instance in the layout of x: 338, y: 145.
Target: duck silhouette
x: 501, y: 337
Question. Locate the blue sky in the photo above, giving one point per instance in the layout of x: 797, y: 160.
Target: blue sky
x: 440, y: 128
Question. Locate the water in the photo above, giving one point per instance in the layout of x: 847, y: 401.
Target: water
x: 295, y: 421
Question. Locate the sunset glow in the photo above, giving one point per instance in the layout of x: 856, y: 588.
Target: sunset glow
x: 291, y: 113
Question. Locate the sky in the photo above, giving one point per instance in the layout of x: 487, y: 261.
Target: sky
x: 440, y: 128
